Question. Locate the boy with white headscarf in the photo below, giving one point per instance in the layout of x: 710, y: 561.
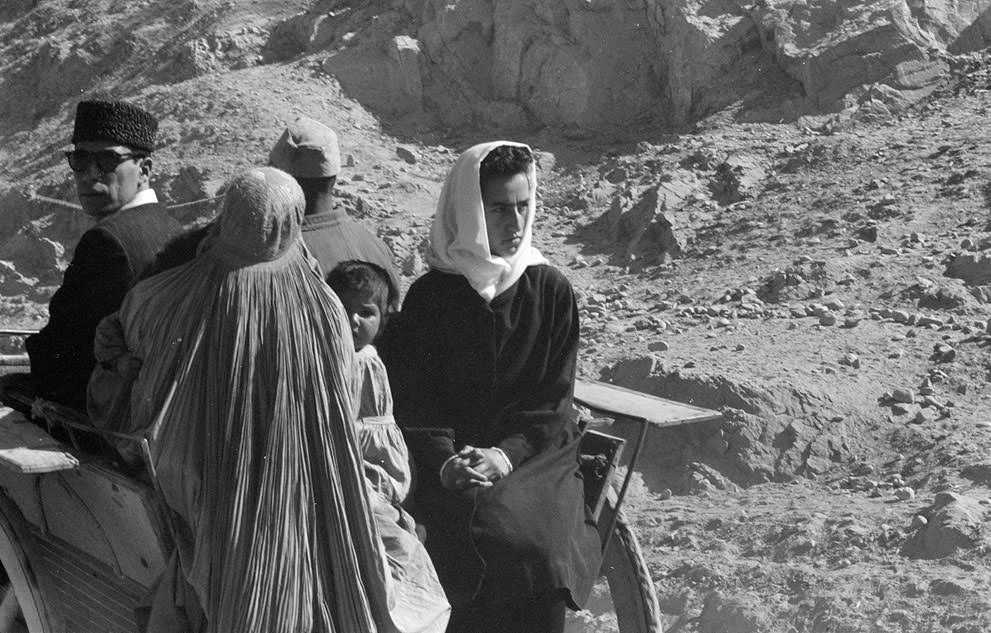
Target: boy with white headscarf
x: 482, y: 365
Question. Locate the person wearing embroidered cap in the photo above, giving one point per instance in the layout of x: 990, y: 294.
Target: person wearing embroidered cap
x: 308, y: 150
x: 111, y: 163
x: 482, y: 368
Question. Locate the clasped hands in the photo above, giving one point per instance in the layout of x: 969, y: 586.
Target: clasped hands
x: 474, y: 467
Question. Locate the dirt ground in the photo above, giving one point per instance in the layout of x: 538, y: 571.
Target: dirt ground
x: 847, y: 488
x: 825, y: 284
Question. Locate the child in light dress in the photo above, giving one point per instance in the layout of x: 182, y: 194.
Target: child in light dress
x: 363, y: 288
x: 418, y: 601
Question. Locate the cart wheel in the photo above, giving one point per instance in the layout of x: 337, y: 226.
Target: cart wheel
x: 22, y: 604
x: 632, y: 589
x: 624, y: 576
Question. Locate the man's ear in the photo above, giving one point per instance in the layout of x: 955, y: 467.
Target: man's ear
x: 145, y: 165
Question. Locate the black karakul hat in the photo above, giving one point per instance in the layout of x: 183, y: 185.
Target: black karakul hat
x: 115, y: 122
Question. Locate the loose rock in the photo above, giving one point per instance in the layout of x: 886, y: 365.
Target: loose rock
x: 903, y: 395
x: 943, y: 353
x: 407, y: 154
x: 904, y: 494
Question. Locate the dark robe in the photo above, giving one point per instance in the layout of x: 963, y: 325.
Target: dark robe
x: 334, y: 237
x: 502, y: 374
x: 107, y: 261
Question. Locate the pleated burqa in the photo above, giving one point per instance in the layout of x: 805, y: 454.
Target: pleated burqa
x: 244, y: 393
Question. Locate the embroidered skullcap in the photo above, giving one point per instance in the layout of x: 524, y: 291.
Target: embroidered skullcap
x: 115, y: 122
x: 261, y: 217
x: 307, y: 149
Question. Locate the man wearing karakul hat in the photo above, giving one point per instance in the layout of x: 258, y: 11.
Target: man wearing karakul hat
x: 111, y: 164
x: 308, y: 150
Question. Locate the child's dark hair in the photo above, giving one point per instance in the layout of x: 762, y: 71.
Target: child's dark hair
x: 505, y: 160
x: 361, y: 276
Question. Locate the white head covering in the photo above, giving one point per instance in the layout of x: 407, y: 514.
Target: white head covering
x: 458, y: 239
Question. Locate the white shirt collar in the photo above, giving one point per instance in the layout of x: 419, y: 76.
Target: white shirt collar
x: 145, y: 196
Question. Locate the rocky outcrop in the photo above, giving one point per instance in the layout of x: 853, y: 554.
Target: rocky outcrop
x: 387, y: 74
x: 954, y: 522
x: 52, y: 51
x: 582, y: 64
x: 973, y: 268
x: 640, y: 219
x: 841, y: 53
x: 590, y: 65
x: 604, y: 64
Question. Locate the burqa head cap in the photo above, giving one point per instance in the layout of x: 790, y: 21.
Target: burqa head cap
x: 261, y: 216
x: 115, y: 122
x: 307, y: 149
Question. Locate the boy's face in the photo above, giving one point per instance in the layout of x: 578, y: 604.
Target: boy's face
x: 363, y: 314
x: 506, y: 201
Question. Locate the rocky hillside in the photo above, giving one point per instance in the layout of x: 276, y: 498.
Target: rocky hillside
x: 224, y: 76
x: 779, y: 210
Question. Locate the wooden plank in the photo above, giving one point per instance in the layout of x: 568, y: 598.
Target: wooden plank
x: 634, y: 404
x: 26, y: 448
x: 15, y: 360
x: 16, y: 332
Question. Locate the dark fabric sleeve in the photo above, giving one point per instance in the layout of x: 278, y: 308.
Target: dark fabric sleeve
x: 93, y: 286
x: 410, y: 354
x: 544, y: 415
x: 177, y: 251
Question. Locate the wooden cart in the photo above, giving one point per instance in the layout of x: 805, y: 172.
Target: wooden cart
x: 81, y: 541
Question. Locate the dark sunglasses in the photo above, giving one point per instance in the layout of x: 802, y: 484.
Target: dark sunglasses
x: 106, y: 159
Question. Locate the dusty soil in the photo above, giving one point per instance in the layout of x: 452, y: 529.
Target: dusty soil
x: 820, y: 503
x: 808, y: 299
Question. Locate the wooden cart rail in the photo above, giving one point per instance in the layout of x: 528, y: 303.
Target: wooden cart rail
x: 644, y: 408
x: 657, y: 411
x: 39, y: 554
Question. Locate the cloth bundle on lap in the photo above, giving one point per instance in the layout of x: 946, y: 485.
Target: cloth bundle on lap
x: 245, y: 393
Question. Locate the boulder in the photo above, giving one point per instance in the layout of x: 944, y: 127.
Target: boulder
x: 723, y: 613
x: 641, y: 218
x: 632, y: 372
x: 973, y: 268
x: 739, y: 177
x: 35, y: 256
x: 702, y: 477
x: 956, y: 523
x: 383, y: 72
x: 193, y: 184
x: 978, y: 473
x: 13, y: 283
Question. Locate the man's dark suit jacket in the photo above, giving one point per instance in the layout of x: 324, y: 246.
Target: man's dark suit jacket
x: 108, y: 260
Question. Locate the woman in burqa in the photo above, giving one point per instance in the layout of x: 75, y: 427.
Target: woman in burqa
x: 244, y: 393
x: 482, y: 366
